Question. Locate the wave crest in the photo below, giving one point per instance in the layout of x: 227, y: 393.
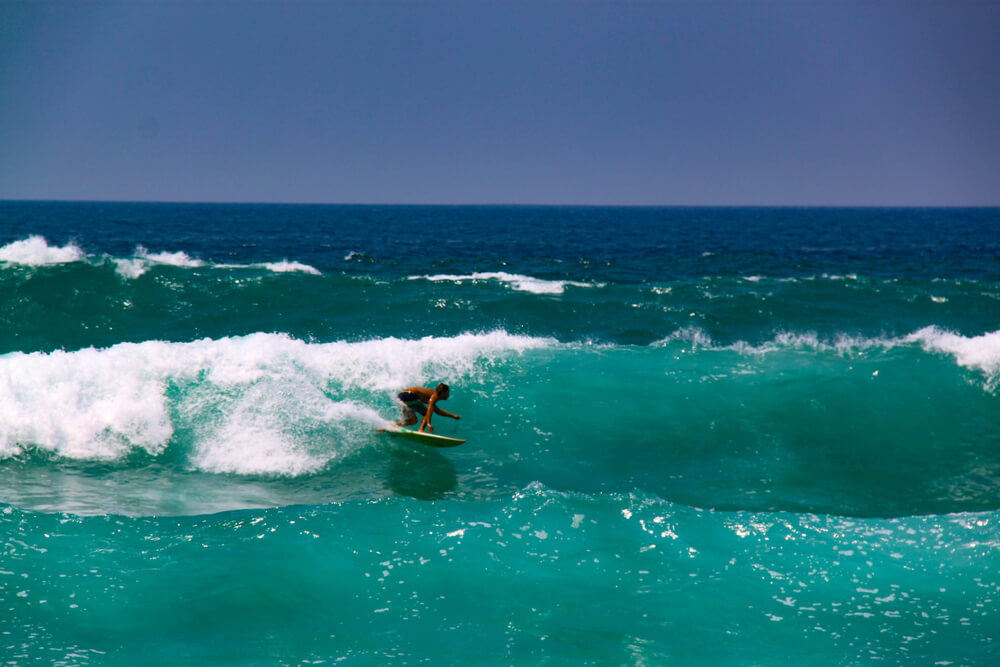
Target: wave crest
x: 517, y: 282
x: 263, y: 403
x: 36, y: 251
x: 979, y: 353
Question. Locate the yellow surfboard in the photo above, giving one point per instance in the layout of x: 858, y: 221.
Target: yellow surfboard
x: 425, y: 438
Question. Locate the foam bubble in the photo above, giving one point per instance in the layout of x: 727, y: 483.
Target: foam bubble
x: 35, y: 251
x: 515, y: 281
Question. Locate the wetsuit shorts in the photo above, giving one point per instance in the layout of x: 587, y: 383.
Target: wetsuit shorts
x: 412, y: 404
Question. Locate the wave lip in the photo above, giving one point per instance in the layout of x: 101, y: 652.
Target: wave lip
x: 36, y: 251
x: 516, y: 281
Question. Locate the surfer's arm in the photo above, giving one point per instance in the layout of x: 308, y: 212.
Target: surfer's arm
x: 426, y: 421
x: 425, y: 424
x: 445, y: 413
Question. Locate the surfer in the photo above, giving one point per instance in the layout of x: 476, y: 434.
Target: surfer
x: 423, y: 401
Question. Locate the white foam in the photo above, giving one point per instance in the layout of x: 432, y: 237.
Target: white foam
x: 85, y: 404
x: 980, y: 353
x: 179, y: 258
x: 841, y: 343
x: 143, y: 260
x: 35, y: 251
x: 285, y: 266
x: 515, y: 281
x: 263, y: 403
x: 697, y: 337
x: 131, y: 268
x: 284, y: 432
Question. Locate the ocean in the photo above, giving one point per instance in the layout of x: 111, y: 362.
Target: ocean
x: 739, y: 436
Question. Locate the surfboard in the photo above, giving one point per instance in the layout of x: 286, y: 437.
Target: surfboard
x: 425, y: 438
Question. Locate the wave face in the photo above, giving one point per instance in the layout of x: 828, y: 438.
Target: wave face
x: 859, y: 428
x: 693, y: 436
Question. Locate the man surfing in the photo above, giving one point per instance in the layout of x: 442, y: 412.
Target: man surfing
x: 423, y: 401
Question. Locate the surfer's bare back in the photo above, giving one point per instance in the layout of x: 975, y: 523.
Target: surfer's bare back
x: 423, y: 401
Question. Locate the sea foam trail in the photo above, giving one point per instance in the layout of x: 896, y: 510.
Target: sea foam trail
x: 978, y: 353
x: 144, y: 261
x: 517, y: 282
x: 284, y: 266
x: 264, y: 403
x: 36, y: 251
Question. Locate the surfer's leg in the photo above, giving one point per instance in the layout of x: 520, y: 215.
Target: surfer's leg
x: 409, y: 417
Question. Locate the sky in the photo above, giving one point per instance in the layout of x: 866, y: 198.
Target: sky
x: 717, y: 103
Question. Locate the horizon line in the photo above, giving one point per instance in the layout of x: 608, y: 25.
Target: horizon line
x: 28, y: 200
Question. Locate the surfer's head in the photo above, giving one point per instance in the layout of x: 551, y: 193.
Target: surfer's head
x: 442, y: 391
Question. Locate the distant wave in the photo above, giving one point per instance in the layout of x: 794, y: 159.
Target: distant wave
x: 518, y: 282
x: 356, y: 256
x: 841, y: 343
x: 36, y: 251
x: 143, y: 260
x: 283, y: 266
x: 979, y: 353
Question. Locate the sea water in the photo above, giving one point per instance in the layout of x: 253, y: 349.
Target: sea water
x: 695, y: 436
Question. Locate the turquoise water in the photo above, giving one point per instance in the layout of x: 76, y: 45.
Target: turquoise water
x: 695, y: 436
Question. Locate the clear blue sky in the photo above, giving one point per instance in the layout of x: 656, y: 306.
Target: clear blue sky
x: 676, y: 103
